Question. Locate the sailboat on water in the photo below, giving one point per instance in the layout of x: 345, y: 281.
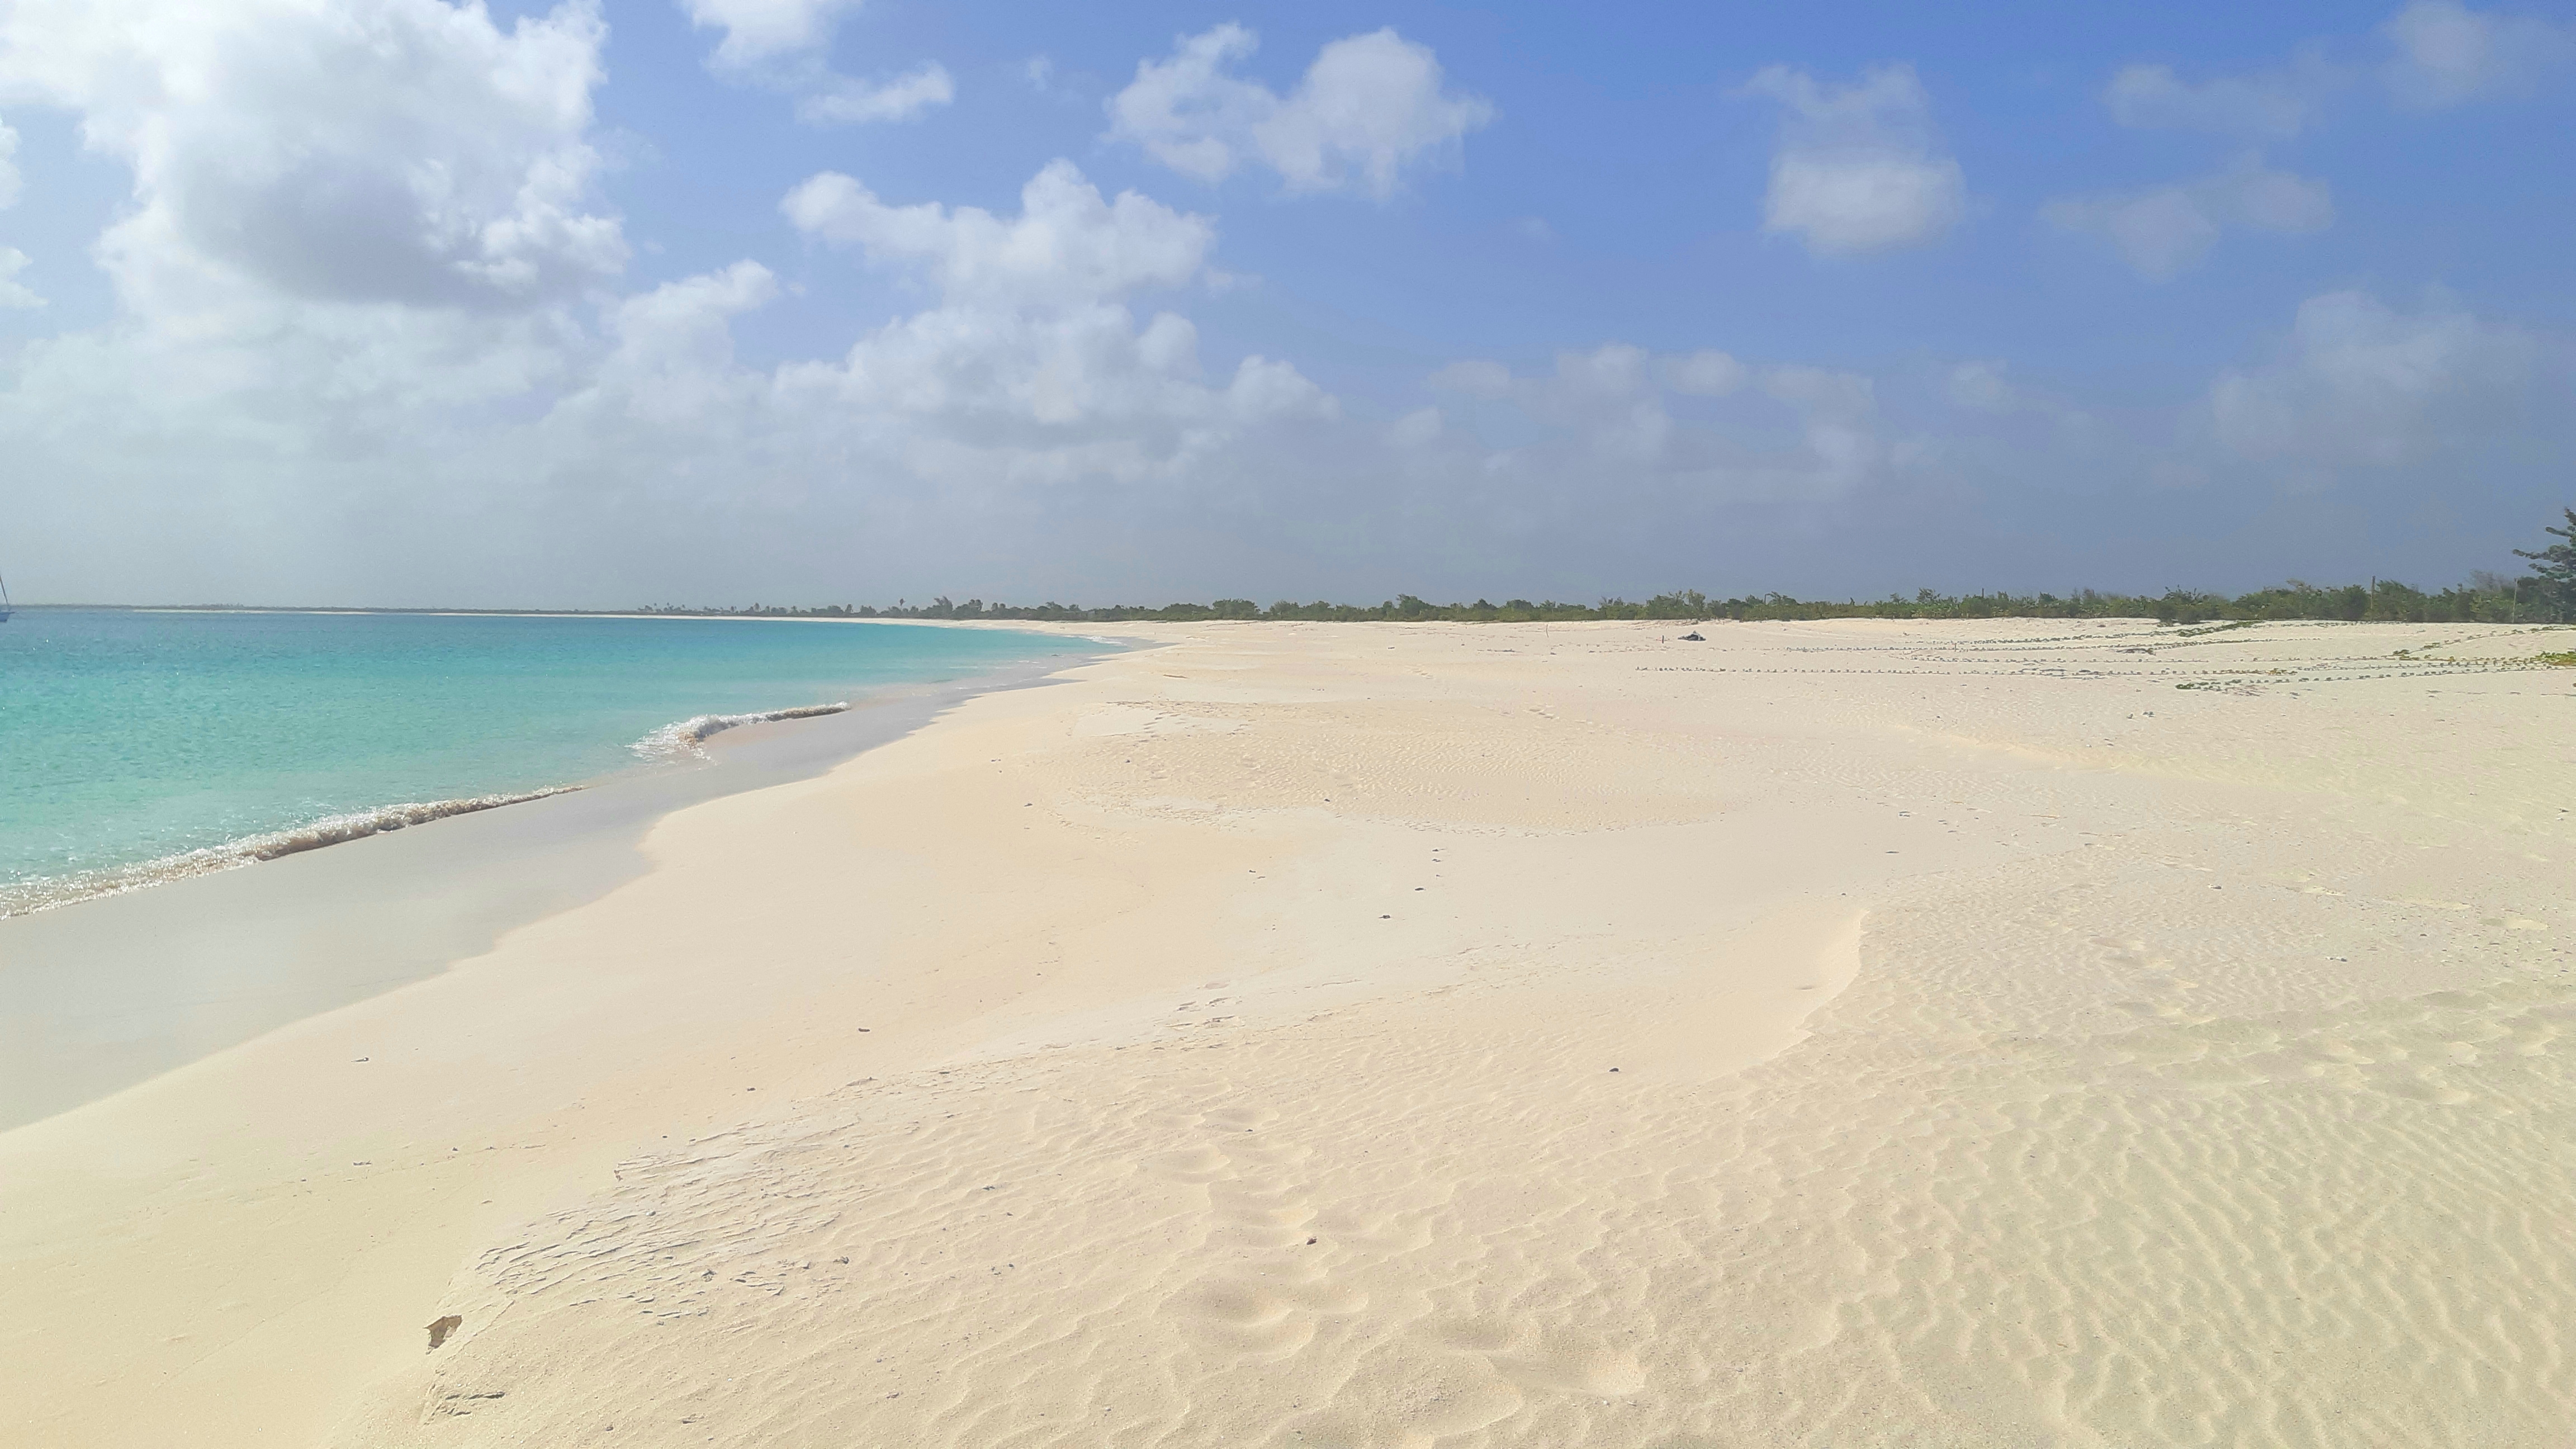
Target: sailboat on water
x: 4, y: 601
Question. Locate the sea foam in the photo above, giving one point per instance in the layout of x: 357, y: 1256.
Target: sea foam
x: 687, y: 737
x: 37, y: 895
x: 681, y: 739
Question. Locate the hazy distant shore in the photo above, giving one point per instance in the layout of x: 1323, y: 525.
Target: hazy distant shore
x: 2485, y: 597
x: 1859, y: 1032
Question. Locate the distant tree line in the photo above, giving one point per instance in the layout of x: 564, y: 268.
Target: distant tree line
x: 2545, y: 595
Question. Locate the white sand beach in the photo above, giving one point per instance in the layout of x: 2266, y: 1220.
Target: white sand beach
x: 1964, y: 1034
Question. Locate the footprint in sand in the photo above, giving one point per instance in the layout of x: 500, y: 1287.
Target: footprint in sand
x: 1266, y: 1312
x: 1240, y: 1119
x: 1246, y: 1319
x: 1259, y: 1309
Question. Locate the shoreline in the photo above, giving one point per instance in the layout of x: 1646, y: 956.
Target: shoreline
x: 111, y: 988
x: 1302, y: 1033
x: 671, y: 740
x: 1073, y: 629
x: 672, y: 744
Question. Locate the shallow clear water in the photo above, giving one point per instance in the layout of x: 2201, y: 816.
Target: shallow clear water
x: 129, y: 738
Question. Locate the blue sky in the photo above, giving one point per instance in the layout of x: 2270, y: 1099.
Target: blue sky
x: 397, y: 301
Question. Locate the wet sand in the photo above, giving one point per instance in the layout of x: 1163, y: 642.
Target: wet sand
x: 113, y: 991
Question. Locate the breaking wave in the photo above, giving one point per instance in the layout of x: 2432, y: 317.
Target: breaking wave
x: 37, y: 895
x: 686, y: 737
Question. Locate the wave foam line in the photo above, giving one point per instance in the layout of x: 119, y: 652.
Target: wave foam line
x: 116, y: 880
x: 685, y: 737
x: 672, y: 740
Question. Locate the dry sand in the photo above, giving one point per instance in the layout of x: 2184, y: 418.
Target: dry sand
x: 1827, y: 1034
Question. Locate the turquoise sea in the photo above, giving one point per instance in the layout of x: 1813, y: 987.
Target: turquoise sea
x: 137, y: 745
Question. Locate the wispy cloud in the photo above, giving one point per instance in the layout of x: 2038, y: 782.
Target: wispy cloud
x: 783, y: 45
x: 2164, y: 230
x: 2446, y: 53
x: 2359, y: 382
x: 2275, y: 103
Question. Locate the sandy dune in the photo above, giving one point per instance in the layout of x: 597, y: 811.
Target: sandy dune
x: 1840, y: 1034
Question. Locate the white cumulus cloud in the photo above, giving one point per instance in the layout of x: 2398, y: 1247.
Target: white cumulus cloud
x: 380, y: 151
x: 1031, y: 330
x: 759, y: 30
x: 1859, y: 168
x: 368, y: 341
x: 1068, y: 244
x: 673, y: 346
x: 2360, y: 382
x: 1370, y: 107
x: 374, y: 340
x: 2164, y: 230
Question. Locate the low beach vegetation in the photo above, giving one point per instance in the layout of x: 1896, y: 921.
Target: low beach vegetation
x: 2544, y: 595
x: 2386, y: 600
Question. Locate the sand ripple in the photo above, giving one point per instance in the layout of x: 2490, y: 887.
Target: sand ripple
x: 2186, y: 1099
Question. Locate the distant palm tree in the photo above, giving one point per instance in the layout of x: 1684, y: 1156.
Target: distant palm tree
x: 2555, y: 567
